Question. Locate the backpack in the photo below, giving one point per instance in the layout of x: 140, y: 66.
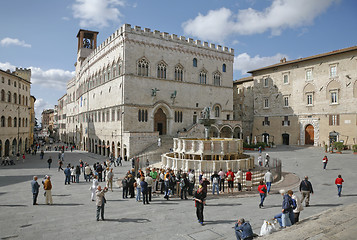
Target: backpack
x: 215, y: 180
x: 287, y: 202
x: 294, y: 203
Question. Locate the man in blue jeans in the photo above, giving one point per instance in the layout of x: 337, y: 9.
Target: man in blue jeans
x: 67, y: 173
x: 243, y: 230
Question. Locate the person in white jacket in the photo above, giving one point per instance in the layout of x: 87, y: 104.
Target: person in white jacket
x: 94, y: 187
x: 298, y: 208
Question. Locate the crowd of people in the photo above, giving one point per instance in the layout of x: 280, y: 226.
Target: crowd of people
x: 142, y: 184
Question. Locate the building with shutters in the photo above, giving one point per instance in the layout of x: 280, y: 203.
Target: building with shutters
x: 15, y: 111
x: 307, y: 101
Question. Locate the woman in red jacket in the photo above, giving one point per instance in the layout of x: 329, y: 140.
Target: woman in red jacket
x: 262, y: 189
x: 338, y: 183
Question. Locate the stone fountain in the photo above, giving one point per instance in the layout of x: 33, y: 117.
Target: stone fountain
x: 207, y: 154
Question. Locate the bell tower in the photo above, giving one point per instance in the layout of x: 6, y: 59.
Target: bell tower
x: 87, y: 42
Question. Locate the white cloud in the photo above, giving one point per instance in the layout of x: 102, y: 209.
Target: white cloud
x: 41, y: 105
x: 97, y: 13
x: 5, y: 42
x: 281, y: 14
x: 52, y: 78
x: 244, y: 62
x: 5, y: 66
x: 65, y: 18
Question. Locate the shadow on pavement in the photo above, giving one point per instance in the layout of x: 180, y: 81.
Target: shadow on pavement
x: 325, y: 205
x: 61, y: 195
x: 349, y: 195
x: 12, y: 205
x: 272, y: 206
x: 164, y: 203
x: 222, y: 204
x: 67, y: 204
x: 221, y: 221
x: 8, y: 180
x: 135, y: 220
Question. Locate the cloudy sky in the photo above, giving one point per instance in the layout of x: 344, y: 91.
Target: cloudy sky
x: 41, y: 34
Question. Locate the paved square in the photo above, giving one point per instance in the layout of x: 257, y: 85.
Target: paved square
x: 72, y: 215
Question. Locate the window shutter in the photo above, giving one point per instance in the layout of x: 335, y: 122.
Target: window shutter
x: 330, y: 120
x: 338, y: 120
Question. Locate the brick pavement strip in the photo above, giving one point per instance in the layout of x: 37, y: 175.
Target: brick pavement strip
x: 73, y: 214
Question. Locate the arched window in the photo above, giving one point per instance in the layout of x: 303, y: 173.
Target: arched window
x: 143, y: 68
x: 23, y: 122
x: 15, y: 98
x: 217, y: 79
x: 9, y: 96
x: 203, y: 77
x: 9, y: 122
x: 194, y: 62
x: 19, y: 122
x: 108, y: 74
x: 23, y: 99
x: 161, y: 70
x: 15, y: 122
x: 179, y: 73
x: 114, y: 70
x: 105, y: 76
x: 3, y: 95
x: 20, y: 99
x: 118, y: 68
x: 2, y: 121
x: 14, y: 83
x: 216, y: 112
x: 146, y: 115
x: 27, y: 122
x: 224, y: 67
x: 139, y: 115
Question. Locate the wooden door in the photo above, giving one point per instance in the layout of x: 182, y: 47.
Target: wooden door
x: 309, y: 135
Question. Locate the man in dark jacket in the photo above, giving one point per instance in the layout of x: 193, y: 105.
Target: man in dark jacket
x: 99, y: 170
x: 306, y: 189
x: 144, y: 190
x: 125, y: 185
x: 67, y: 173
x: 243, y: 230
x: 35, y: 189
x: 199, y: 198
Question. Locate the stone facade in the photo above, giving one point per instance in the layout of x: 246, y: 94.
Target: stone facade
x: 15, y: 108
x: 47, y: 119
x: 32, y: 120
x: 307, y: 101
x: 243, y: 107
x: 139, y: 84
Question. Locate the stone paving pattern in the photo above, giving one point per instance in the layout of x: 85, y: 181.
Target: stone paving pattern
x: 73, y: 213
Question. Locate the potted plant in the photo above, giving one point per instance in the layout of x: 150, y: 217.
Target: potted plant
x: 354, y: 148
x: 338, y: 146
